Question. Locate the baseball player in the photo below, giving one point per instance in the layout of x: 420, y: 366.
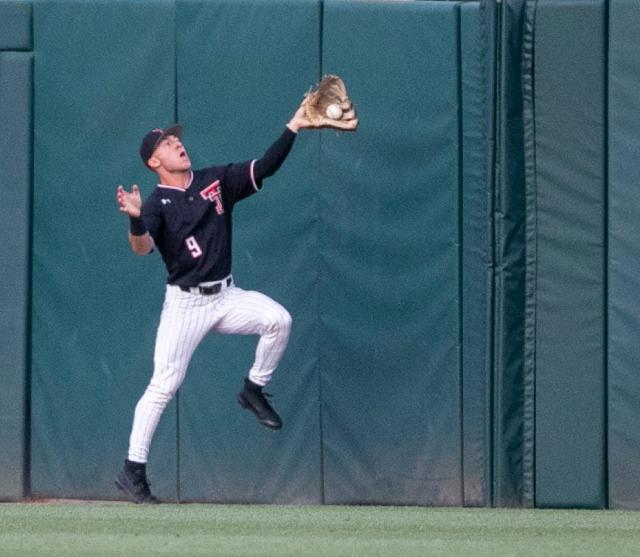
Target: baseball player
x: 187, y: 218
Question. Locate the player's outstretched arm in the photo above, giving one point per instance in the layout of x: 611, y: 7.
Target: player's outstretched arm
x: 130, y: 203
x: 275, y: 155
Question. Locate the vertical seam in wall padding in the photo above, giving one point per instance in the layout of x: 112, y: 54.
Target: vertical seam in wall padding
x: 606, y: 253
x: 319, y: 267
x: 502, y: 50
x: 495, y: 190
x: 28, y: 357
x: 460, y: 250
x: 321, y: 37
x: 175, y: 62
x: 175, y: 120
x: 29, y: 302
x: 487, y: 52
x: 528, y: 89
x: 495, y: 243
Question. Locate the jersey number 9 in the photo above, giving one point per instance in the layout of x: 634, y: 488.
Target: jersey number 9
x: 192, y: 245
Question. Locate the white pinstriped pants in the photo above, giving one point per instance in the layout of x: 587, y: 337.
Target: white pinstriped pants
x: 186, y: 319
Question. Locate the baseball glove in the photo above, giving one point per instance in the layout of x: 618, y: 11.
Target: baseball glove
x: 329, y: 106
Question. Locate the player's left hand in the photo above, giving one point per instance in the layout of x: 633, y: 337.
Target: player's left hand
x: 129, y: 203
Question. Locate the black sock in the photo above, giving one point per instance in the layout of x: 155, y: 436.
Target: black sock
x: 251, y: 385
x: 137, y: 467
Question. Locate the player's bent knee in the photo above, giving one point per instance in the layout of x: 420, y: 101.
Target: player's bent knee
x: 280, y: 321
x: 287, y: 320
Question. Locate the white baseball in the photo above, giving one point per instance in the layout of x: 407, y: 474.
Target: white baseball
x: 334, y: 112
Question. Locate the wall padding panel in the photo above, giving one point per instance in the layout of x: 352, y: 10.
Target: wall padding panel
x: 624, y: 255
x: 570, y: 307
x: 15, y: 225
x: 104, y: 76
x: 239, y: 54
x: 475, y: 263
x: 390, y: 252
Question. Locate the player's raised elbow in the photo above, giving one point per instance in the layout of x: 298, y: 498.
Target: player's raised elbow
x: 140, y: 251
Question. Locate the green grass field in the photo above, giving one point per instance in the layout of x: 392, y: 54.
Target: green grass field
x: 95, y: 529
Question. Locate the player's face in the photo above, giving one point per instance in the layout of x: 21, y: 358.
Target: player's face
x: 171, y: 155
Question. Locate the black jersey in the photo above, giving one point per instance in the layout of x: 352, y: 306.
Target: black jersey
x: 192, y: 227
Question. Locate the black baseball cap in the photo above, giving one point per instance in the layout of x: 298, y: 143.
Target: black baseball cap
x: 154, y: 137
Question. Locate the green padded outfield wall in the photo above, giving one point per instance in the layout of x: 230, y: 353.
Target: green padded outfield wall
x: 379, y: 243
x: 15, y: 224
x: 262, y: 56
x: 569, y: 127
x: 89, y: 369
x: 104, y: 75
x: 624, y: 255
x: 389, y: 308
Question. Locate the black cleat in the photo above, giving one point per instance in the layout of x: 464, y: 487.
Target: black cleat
x: 133, y: 481
x: 252, y: 398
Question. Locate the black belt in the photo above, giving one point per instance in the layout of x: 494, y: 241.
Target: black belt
x: 207, y: 290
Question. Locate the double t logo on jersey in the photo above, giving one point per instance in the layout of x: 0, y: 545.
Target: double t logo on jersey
x: 212, y: 193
